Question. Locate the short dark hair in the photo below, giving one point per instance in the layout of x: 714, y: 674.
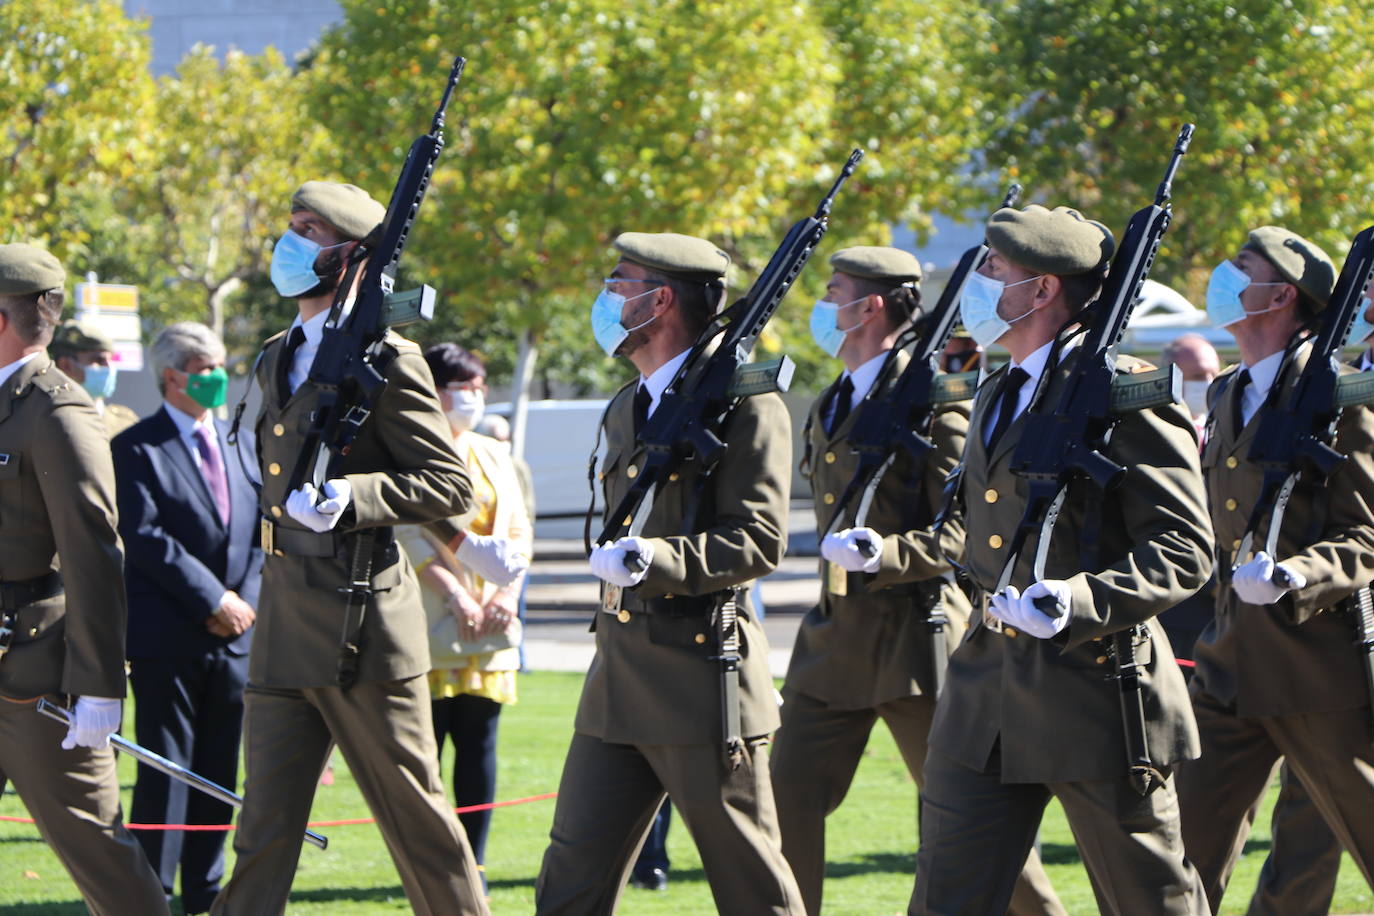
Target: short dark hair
x: 698, y: 301
x: 35, y: 315
x: 1081, y: 289
x: 450, y: 363
x: 903, y: 301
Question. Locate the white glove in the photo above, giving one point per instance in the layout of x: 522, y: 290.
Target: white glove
x: 495, y: 559
x: 319, y: 515
x: 1017, y: 609
x: 94, y: 720
x: 843, y: 549
x: 1255, y: 581
x: 608, y: 561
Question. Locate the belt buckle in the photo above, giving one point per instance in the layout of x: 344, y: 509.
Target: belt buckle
x: 611, y: 597
x: 265, y: 532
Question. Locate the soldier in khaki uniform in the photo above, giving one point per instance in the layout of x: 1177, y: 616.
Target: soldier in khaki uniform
x: 649, y: 720
x: 61, y: 632
x: 1277, y: 674
x: 401, y: 469
x: 867, y: 650
x: 1031, y: 708
x: 83, y: 352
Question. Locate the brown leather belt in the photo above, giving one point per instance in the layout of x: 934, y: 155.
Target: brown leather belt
x: 280, y: 542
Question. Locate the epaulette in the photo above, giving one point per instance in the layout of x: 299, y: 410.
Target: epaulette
x: 51, y: 380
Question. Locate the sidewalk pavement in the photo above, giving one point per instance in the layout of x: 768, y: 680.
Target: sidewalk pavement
x: 563, y: 596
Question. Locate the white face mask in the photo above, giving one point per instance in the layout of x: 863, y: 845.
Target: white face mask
x: 466, y: 408
x: 978, y: 302
x: 1195, y: 396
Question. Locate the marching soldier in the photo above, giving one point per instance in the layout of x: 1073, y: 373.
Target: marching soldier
x: 400, y: 469
x: 1031, y: 708
x: 1277, y: 674
x: 649, y: 720
x: 84, y: 354
x: 61, y: 633
x: 869, y: 649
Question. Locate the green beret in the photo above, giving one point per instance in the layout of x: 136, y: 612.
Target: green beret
x: 79, y: 336
x: 1059, y: 241
x: 1297, y: 260
x: 873, y: 262
x: 25, y: 269
x: 684, y: 257
x: 346, y: 207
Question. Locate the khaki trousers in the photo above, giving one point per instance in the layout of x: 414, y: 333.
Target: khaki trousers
x: 1331, y: 753
x: 386, y: 736
x: 610, y: 792
x: 74, y: 797
x: 815, y: 756
x: 976, y: 832
x: 1299, y: 876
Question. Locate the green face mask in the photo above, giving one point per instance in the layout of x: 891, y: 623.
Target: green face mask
x: 208, y: 389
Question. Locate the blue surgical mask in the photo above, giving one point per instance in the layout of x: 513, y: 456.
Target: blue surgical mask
x: 293, y: 263
x: 607, y: 328
x: 824, y: 317
x: 99, y: 381
x: 1363, y: 327
x: 978, y: 308
x: 1227, y: 282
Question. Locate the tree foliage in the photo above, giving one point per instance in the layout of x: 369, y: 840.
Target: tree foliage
x: 1083, y: 100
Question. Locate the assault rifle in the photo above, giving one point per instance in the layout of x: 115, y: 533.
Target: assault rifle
x: 1297, y: 429
x: 1065, y: 441
x: 346, y: 373
x: 693, y: 412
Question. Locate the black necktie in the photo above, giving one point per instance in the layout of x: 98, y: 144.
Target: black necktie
x: 288, y: 357
x: 843, y: 395
x: 642, y: 401
x: 1006, y: 402
x: 1242, y: 382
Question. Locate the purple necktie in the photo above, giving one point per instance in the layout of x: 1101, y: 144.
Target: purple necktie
x: 213, y: 468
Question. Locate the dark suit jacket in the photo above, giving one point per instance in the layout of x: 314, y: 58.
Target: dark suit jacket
x: 179, y: 556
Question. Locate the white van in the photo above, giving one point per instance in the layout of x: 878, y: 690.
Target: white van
x: 559, y: 435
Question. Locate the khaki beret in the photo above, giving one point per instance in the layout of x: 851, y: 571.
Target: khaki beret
x: 79, y: 336
x: 346, y: 207
x: 874, y: 262
x: 26, y: 269
x: 1059, y: 241
x: 1297, y: 260
x: 684, y: 257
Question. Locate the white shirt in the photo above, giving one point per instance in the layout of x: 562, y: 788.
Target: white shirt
x: 1262, y: 375
x: 7, y: 371
x: 862, y: 379
x: 187, y: 425
x: 305, y: 353
x: 1365, y: 362
x: 657, y: 381
x: 1034, y: 366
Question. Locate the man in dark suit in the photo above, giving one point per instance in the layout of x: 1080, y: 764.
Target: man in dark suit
x: 189, y: 519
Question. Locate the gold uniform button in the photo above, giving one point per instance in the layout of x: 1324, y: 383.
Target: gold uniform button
x: 632, y: 472
x: 623, y: 616
x: 278, y: 430
x: 274, y: 469
x: 700, y: 638
x: 33, y: 631
x: 1235, y: 545
x: 830, y: 499
x: 990, y: 496
x: 995, y: 541
x: 1101, y: 659
x: 1008, y: 632
x: 1232, y: 461
x: 673, y: 477
x: 1230, y: 505
x: 668, y: 596
x: 276, y: 511
x: 829, y: 457
x: 279, y: 553
x: 600, y: 475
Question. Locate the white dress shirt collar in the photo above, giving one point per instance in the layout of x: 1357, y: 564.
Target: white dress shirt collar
x: 658, y: 380
x: 7, y: 371
x: 305, y: 353
x: 1262, y: 376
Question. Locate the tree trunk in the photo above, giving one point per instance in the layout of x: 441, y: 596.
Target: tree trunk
x: 215, y: 304
x: 520, y: 390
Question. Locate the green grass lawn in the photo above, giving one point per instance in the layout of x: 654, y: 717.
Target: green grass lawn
x: 871, y: 840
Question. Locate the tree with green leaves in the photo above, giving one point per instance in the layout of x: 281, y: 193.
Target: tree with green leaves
x: 1084, y: 99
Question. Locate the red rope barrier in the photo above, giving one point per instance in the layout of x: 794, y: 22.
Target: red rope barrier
x: 343, y: 823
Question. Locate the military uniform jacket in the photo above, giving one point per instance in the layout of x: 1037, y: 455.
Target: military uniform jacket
x: 871, y: 644
x: 652, y: 680
x: 1297, y: 655
x: 57, y: 511
x: 402, y: 470
x: 1054, y: 703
